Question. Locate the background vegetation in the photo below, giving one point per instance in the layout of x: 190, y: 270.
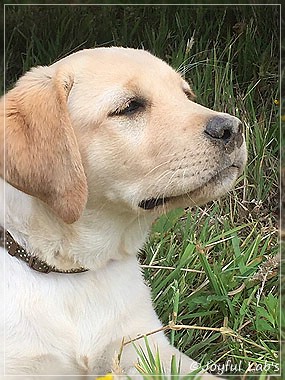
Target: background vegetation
x: 215, y: 266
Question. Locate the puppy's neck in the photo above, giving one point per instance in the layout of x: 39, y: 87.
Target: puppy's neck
x: 100, y: 235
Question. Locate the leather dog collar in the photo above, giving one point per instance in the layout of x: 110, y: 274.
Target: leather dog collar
x: 14, y: 249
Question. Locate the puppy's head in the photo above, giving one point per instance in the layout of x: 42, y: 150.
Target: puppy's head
x: 124, y: 124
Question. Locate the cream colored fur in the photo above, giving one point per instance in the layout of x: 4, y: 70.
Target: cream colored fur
x: 76, y: 171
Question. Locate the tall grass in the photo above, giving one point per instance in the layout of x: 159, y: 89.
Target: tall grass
x: 213, y: 266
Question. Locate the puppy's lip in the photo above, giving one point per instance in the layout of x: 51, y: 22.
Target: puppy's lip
x: 151, y: 203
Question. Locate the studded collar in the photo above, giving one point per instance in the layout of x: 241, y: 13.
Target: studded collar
x: 14, y: 249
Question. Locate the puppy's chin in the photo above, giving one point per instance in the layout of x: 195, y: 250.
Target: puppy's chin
x: 215, y: 188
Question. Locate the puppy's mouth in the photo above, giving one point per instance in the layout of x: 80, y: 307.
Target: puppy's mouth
x: 151, y: 203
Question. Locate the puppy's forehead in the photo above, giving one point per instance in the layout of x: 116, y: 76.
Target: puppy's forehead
x: 119, y: 65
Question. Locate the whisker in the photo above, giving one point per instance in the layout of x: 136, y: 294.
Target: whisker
x: 156, y: 167
x: 159, y: 179
x: 173, y: 175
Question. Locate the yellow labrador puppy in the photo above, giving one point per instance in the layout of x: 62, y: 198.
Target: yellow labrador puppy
x: 96, y: 146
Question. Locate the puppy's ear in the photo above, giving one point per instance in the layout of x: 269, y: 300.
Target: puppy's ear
x: 41, y: 152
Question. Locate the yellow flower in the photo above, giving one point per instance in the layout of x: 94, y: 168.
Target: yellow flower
x: 108, y: 376
x: 276, y: 101
x: 282, y: 117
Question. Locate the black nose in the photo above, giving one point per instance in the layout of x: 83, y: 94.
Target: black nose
x: 223, y: 128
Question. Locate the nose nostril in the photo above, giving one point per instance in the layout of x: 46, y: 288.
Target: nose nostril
x: 220, y: 128
x: 226, y: 135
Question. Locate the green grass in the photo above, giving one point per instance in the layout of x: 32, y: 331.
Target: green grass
x: 211, y: 266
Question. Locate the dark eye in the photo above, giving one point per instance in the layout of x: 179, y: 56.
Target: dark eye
x: 132, y: 107
x: 190, y: 95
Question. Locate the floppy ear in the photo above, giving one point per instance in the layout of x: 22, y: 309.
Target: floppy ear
x: 41, y: 152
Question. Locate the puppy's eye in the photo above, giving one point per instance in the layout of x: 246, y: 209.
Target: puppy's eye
x: 131, y: 108
x: 190, y: 95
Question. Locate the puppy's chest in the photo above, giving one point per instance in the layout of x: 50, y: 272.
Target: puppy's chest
x: 72, y: 317
x: 83, y: 330
x: 83, y: 317
x: 80, y: 329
